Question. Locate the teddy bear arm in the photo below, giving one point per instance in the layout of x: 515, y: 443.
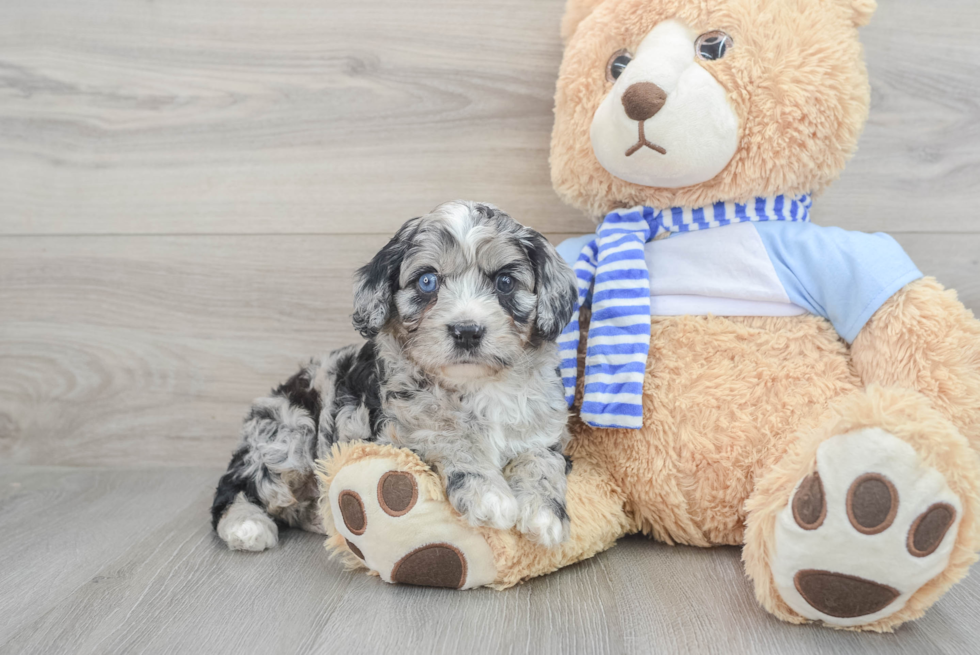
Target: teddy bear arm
x: 384, y: 510
x: 924, y: 339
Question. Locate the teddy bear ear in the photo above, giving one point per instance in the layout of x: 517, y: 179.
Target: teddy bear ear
x: 863, y: 10
x: 575, y: 12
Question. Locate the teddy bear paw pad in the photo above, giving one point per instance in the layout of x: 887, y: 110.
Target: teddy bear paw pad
x: 863, y: 532
x: 402, y: 533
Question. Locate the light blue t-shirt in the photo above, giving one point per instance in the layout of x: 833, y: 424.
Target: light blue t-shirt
x: 775, y: 268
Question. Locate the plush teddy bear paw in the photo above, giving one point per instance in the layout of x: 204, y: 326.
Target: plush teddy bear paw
x: 864, y: 531
x: 400, y: 525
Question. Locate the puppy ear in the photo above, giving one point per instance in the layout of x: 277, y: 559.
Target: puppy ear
x: 555, y: 285
x: 375, y: 283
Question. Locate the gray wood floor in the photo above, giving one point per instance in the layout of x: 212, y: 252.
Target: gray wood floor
x: 121, y: 560
x: 185, y: 189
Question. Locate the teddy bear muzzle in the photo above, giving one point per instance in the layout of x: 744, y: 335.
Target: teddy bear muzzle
x: 665, y: 121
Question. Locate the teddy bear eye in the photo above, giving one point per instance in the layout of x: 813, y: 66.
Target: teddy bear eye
x: 617, y: 64
x: 712, y: 45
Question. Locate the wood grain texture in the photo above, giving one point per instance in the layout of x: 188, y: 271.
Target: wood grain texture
x: 308, y: 116
x: 185, y: 190
x: 156, y: 580
x: 288, y: 116
x: 136, y: 350
x: 125, y: 349
x: 59, y: 527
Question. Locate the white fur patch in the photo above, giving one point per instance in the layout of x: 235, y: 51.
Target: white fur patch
x: 247, y: 527
x: 542, y: 526
x: 494, y: 508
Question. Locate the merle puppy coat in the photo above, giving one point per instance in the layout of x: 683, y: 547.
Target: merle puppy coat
x: 460, y: 311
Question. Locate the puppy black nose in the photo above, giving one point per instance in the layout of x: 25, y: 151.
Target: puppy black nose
x: 467, y: 335
x: 643, y: 100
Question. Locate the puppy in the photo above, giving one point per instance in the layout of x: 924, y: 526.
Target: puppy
x: 461, y: 311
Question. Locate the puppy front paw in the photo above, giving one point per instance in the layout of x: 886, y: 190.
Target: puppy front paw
x: 496, y: 508
x: 544, y: 521
x: 482, y: 501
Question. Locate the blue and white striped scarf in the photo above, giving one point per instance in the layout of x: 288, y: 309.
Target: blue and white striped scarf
x: 619, y: 332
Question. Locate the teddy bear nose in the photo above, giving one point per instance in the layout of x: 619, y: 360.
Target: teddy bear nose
x: 643, y: 100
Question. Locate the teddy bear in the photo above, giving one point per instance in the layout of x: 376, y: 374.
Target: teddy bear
x: 737, y: 374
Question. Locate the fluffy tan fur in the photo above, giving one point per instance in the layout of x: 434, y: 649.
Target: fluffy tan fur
x: 923, y: 338
x: 720, y: 396
x: 735, y: 408
x: 341, y: 455
x: 596, y: 509
x: 800, y: 108
x: 905, y: 414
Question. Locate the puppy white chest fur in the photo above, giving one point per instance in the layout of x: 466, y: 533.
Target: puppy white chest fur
x: 499, y: 416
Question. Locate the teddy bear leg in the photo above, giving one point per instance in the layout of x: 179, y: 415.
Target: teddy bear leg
x: 386, y: 511
x: 868, y: 519
x: 924, y: 339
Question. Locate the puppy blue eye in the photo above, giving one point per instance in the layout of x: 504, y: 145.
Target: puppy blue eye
x: 505, y: 283
x: 428, y: 283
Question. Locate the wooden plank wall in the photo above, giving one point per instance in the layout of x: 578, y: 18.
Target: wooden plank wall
x: 186, y: 187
